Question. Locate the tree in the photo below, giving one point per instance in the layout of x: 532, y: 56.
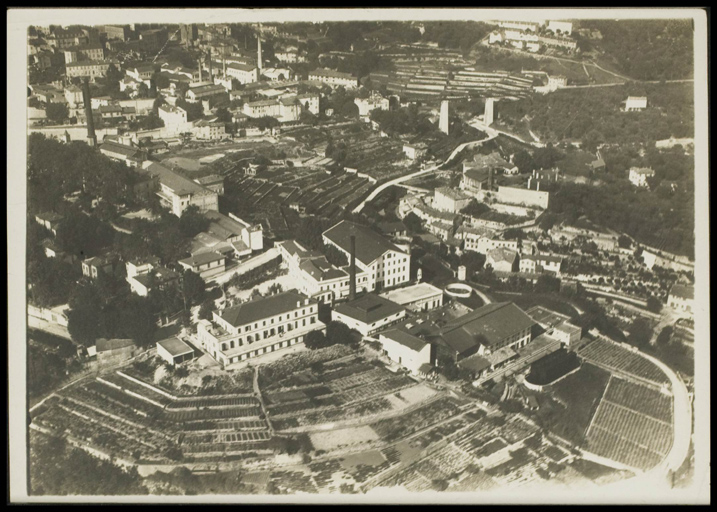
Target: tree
x: 523, y: 161
x: 654, y: 304
x: 640, y: 333
x: 663, y: 339
x: 624, y: 241
x: 338, y: 332
x: 315, y: 339
x: 57, y: 112
x: 547, y: 284
x: 335, y: 256
x: 205, y: 312
x: 413, y: 222
x: 193, y: 288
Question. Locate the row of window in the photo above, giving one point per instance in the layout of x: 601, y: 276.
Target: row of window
x: 266, y: 334
x: 266, y: 350
x: 247, y: 328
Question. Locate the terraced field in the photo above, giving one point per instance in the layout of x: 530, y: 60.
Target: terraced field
x: 632, y: 425
x: 609, y: 355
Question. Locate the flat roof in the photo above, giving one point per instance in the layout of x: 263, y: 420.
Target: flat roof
x: 412, y: 293
x: 175, y: 347
x: 546, y: 316
x: 683, y: 291
x: 369, y: 308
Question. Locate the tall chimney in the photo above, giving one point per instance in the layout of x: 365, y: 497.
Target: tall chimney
x: 258, y: 53
x: 91, y: 137
x: 200, y: 69
x: 352, y: 270
x: 211, y: 77
x: 224, y: 67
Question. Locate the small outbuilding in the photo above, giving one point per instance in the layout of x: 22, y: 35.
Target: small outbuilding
x: 174, y: 351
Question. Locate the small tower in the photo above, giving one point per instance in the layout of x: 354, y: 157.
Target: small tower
x: 443, y: 123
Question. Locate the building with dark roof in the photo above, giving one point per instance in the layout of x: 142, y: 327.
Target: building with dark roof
x: 132, y: 156
x: 406, y: 349
x: 158, y: 278
x: 369, y: 314
x: 387, y: 265
x: 682, y: 297
x: 114, y: 351
x: 174, y: 351
x: 488, y: 329
x: 502, y: 260
x: 177, y: 192
x: 206, y: 264
x: 260, y: 326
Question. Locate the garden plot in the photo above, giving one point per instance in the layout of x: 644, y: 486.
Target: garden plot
x: 639, y: 398
x: 330, y: 416
x: 409, y: 396
x: 213, y: 402
x: 179, y: 416
x: 342, y: 438
x: 396, y: 428
x: 329, y: 475
x: 292, y: 482
x: 365, y: 465
x: 273, y: 375
x: 218, y: 426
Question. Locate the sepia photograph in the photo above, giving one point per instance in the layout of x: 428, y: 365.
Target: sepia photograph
x: 358, y: 256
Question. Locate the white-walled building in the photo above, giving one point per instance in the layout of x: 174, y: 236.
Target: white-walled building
x: 258, y: 327
x: 175, y: 118
x: 682, y: 298
x: 417, y: 297
x: 177, y: 192
x: 386, y: 264
x: 244, y: 73
x: 374, y: 102
x: 635, y: 103
x: 446, y: 199
x: 334, y: 78
x: 368, y: 314
x: 539, y: 263
x: 405, y: 349
x: 638, y: 176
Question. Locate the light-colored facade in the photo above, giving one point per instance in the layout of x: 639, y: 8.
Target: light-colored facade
x: 446, y: 199
x: 259, y: 327
x: 385, y: 264
x: 539, y: 263
x: 405, y: 349
x: 562, y: 27
x: 334, y: 78
x: 523, y: 197
x: 635, y: 103
x: 207, y: 265
x: 91, y: 69
x: 417, y: 297
x: 638, y: 176
x: 682, y: 298
x: 374, y: 102
x: 177, y: 192
x: 244, y: 73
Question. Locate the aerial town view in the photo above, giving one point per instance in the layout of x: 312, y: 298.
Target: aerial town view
x: 334, y: 257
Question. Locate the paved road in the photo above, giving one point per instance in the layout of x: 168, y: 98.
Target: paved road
x: 43, y: 325
x: 682, y: 416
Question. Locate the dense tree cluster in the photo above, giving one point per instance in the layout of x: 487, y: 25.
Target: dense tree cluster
x: 665, y: 222
x: 405, y: 120
x: 594, y: 117
x: 648, y: 49
x: 456, y: 35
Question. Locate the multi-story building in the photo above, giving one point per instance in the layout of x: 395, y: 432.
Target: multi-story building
x: 315, y: 276
x: 157, y: 278
x: 285, y: 109
x: 120, y: 32
x: 92, y: 69
x: 333, y: 78
x: 62, y: 39
x: 244, y: 73
x: 558, y: 42
x: 368, y: 314
x: 96, y: 267
x: 446, y: 199
x: 131, y: 155
x: 539, y: 263
x: 502, y: 260
x: 141, y: 73
x: 231, y: 229
x: 175, y: 118
x: 258, y: 327
x: 374, y: 102
x: 84, y: 53
x: 523, y: 196
x: 207, y: 129
x: 638, y: 176
x: 415, y: 151
x: 682, y: 297
x: 385, y: 263
x: 310, y: 102
x: 177, y: 192
x: 417, y: 297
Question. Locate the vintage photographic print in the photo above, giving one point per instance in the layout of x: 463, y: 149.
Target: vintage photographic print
x: 344, y: 255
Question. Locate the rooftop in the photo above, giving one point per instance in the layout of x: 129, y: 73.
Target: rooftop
x: 116, y: 147
x: 331, y: 73
x: 202, y: 259
x: 412, y: 293
x: 453, y: 194
x: 241, y: 67
x: 104, y: 345
x: 222, y: 226
x: 178, y: 183
x: 369, y: 244
x: 489, y: 325
x: 175, y: 347
x: 405, y: 339
x: 321, y: 270
x: 683, y: 291
x: 258, y: 309
x: 369, y: 308
x: 546, y: 317
x: 502, y: 254
x: 296, y: 249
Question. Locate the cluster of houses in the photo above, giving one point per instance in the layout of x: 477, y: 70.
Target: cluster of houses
x: 533, y: 36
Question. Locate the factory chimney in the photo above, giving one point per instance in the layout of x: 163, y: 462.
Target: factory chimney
x: 352, y: 270
x: 224, y: 67
x: 490, y: 179
x: 200, y: 69
x: 91, y: 137
x: 211, y: 76
x: 258, y: 53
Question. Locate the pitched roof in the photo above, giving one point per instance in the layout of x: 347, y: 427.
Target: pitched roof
x: 405, y: 339
x: 369, y: 244
x: 116, y: 147
x: 49, y: 216
x: 502, y: 254
x: 321, y: 270
x: 477, y: 174
x: 178, y: 183
x: 296, y: 249
x: 474, y: 363
x: 258, y: 309
x: 369, y: 308
x: 331, y: 73
x: 241, y: 67
x: 222, y: 226
x: 453, y: 194
x: 683, y: 291
x: 201, y: 259
x: 104, y: 345
x: 489, y: 324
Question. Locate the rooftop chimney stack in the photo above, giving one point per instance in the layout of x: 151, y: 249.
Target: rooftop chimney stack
x: 352, y: 270
x: 91, y: 137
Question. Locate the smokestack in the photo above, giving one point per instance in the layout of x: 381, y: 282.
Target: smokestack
x: 224, y: 67
x: 211, y: 77
x: 352, y: 270
x: 490, y: 179
x: 91, y: 137
x: 258, y: 53
x: 200, y: 69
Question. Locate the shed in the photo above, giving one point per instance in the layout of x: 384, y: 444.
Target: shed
x: 174, y: 351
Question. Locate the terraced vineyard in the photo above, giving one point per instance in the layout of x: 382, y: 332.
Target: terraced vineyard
x: 609, y: 355
x: 632, y: 425
x: 138, y: 421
